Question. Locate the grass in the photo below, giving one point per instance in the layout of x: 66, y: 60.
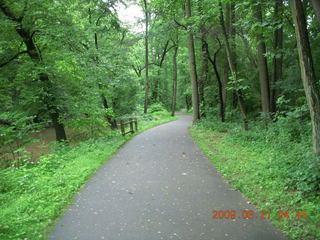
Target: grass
x: 263, y: 171
x: 34, y: 195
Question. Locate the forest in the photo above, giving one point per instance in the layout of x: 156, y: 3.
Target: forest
x: 245, y: 70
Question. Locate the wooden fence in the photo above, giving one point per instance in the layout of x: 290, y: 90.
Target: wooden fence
x: 131, y: 122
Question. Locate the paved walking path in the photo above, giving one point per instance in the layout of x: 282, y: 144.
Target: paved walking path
x: 159, y: 186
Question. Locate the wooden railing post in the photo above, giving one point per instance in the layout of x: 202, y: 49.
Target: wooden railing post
x: 130, y: 121
x: 131, y: 125
x: 136, y: 124
x: 122, y: 127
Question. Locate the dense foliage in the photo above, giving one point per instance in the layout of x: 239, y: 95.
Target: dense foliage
x: 273, y: 171
x: 35, y: 194
x: 75, y: 66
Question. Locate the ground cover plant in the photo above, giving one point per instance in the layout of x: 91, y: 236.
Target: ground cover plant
x: 271, y: 167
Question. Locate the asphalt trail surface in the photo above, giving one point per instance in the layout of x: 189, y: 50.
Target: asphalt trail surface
x: 160, y: 186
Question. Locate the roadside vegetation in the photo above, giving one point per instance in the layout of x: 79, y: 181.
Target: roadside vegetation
x: 34, y: 194
x: 72, y: 68
x: 272, y: 165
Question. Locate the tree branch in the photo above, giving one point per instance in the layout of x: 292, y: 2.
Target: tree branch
x: 165, y: 50
x: 12, y: 58
x: 179, y: 24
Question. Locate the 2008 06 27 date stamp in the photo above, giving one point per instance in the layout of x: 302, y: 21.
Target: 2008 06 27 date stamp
x: 250, y: 214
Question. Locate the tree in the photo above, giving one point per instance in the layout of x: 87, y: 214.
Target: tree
x: 193, y: 68
x: 233, y: 70
x: 146, y: 96
x: 262, y: 62
x: 174, y: 78
x: 308, y: 75
x: 102, y: 14
x: 27, y: 36
x: 220, y: 85
x: 278, y: 56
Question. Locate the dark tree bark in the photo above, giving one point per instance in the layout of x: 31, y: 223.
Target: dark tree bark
x: 308, y: 75
x: 262, y: 63
x: 220, y: 86
x: 155, y: 90
x: 146, y: 96
x: 193, y: 68
x: 4, y: 63
x: 159, y: 59
x: 174, y: 81
x: 35, y: 55
x: 225, y: 79
x: 277, y: 59
x: 188, y: 99
x: 111, y: 121
x: 233, y: 70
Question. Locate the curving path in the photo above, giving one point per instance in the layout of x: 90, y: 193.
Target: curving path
x: 159, y: 186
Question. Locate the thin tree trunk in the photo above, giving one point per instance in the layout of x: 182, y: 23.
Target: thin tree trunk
x: 262, y: 63
x: 111, y: 121
x: 225, y: 79
x: 226, y: 63
x: 146, y: 96
x: 205, y: 67
x: 155, y: 91
x: 277, y: 60
x: 188, y: 102
x: 220, y: 86
x: 193, y: 69
x: 174, y: 81
x: 233, y: 70
x: 307, y: 71
x: 232, y: 44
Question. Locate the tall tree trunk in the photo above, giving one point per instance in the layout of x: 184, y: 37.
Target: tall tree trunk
x: 307, y: 71
x: 225, y: 79
x: 220, y: 86
x: 58, y: 127
x: 193, y: 69
x: 155, y: 90
x: 278, y: 58
x: 262, y: 63
x: 34, y: 54
x: 316, y: 7
x: 146, y: 96
x: 188, y: 101
x: 205, y: 67
x: 232, y: 43
x: 226, y: 63
x: 174, y: 81
x: 233, y: 70
x: 111, y: 121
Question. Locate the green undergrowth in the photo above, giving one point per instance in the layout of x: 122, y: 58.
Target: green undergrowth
x: 272, y: 166
x: 34, y: 195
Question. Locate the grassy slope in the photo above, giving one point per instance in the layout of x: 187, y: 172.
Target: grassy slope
x: 255, y: 174
x: 33, y: 196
